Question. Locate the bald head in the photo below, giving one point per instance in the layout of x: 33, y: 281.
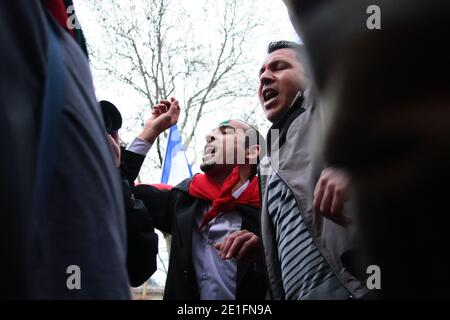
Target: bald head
x: 232, y: 142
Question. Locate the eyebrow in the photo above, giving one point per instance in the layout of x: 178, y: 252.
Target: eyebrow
x: 261, y: 70
x: 274, y: 63
x: 226, y: 126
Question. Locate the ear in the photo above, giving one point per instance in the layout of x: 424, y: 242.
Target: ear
x: 253, y: 154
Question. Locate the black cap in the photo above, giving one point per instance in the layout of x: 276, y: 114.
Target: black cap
x: 111, y: 116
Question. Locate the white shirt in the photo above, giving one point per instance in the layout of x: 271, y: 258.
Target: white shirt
x: 216, y: 278
x: 139, y: 146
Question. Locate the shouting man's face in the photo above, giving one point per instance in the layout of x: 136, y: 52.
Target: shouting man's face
x: 225, y: 146
x: 280, y: 78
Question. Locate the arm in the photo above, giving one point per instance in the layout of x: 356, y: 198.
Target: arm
x: 145, y: 205
x: 159, y: 203
x: 131, y: 164
x: 142, y: 241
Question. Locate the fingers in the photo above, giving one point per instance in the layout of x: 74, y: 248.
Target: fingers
x: 228, y: 241
x: 240, y: 245
x: 319, y: 191
x: 159, y: 109
x: 337, y: 206
x: 116, y: 148
x: 174, y: 107
x: 237, y: 245
x: 323, y: 196
x: 166, y: 103
x: 330, y: 195
x: 115, y: 136
x: 331, y: 191
x: 165, y: 106
x: 112, y: 141
x: 249, y: 248
x: 325, y: 204
x: 176, y: 104
x: 174, y: 111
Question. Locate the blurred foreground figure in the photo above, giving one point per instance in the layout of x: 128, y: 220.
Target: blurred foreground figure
x: 63, y: 223
x: 389, y: 92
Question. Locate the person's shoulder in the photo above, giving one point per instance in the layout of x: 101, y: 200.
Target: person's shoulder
x: 183, y: 186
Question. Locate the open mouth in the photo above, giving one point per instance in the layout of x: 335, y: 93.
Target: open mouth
x: 209, y: 150
x: 209, y: 157
x: 269, y: 95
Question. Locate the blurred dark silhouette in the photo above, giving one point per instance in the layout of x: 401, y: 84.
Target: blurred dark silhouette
x: 61, y: 200
x: 389, y: 92
x: 111, y: 116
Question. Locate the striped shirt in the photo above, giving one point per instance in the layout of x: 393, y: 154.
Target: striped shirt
x: 305, y: 273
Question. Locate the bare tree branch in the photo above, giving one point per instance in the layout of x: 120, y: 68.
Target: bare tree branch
x: 148, y: 48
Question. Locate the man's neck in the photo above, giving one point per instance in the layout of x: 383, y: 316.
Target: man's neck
x: 219, y: 176
x: 245, y: 172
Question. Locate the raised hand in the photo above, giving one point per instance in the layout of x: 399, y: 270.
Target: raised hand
x: 164, y: 115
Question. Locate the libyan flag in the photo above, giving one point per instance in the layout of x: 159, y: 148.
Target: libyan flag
x: 63, y: 11
x: 176, y: 167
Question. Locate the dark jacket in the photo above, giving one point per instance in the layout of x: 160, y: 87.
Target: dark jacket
x: 84, y: 222
x: 142, y: 241
x: 173, y: 212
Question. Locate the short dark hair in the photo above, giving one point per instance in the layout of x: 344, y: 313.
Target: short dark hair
x: 283, y: 44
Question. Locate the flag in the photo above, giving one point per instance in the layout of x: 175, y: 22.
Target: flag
x: 176, y: 168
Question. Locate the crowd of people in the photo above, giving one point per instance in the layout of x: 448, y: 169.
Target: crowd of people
x: 334, y: 189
